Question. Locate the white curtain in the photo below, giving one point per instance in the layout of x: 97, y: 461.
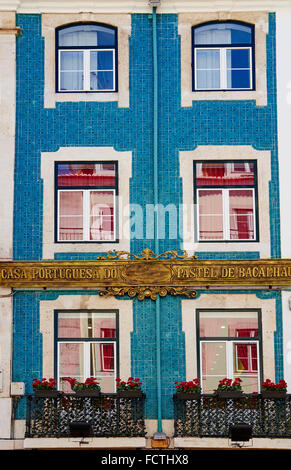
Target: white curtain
x: 79, y: 38
x: 71, y: 70
x: 208, y: 68
x: 213, y: 35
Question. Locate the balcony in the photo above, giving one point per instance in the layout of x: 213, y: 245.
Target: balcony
x: 210, y: 416
x: 67, y: 415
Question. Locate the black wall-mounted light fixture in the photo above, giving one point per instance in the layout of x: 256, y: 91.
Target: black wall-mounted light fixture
x: 80, y: 429
x: 240, y: 432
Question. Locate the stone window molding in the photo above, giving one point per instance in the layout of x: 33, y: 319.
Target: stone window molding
x: 226, y: 301
x: 86, y: 154
x: 52, y: 21
x: 185, y: 23
x: 224, y: 153
x: 85, y: 302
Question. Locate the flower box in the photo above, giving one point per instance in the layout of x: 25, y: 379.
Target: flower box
x: 229, y: 394
x: 87, y: 393
x: 130, y: 393
x: 187, y: 396
x: 131, y: 388
x: 274, y: 394
x: 47, y: 393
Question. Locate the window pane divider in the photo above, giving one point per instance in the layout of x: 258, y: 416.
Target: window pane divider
x: 86, y: 69
x: 86, y: 214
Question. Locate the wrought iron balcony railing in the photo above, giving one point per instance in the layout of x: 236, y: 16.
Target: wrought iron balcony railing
x: 210, y: 416
x: 108, y: 415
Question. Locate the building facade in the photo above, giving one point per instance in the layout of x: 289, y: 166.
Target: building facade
x: 137, y: 126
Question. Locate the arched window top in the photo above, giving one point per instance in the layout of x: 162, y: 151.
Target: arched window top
x: 87, y: 35
x: 86, y: 55
x: 223, y: 33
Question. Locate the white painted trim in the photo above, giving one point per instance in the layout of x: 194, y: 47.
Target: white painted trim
x: 140, y: 6
x: 225, y: 152
x: 225, y: 212
x: 50, y: 247
x: 223, y: 69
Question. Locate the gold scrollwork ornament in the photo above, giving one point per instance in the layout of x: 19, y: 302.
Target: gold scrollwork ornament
x: 147, y: 292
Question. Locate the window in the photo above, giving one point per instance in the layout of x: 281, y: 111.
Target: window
x: 86, y: 55
x: 229, y: 346
x: 87, y: 346
x: 86, y: 195
x: 226, y: 198
x: 223, y: 56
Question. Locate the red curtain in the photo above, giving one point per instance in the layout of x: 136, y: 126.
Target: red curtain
x: 107, y: 350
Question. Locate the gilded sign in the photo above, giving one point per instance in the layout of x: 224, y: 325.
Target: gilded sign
x: 147, y: 274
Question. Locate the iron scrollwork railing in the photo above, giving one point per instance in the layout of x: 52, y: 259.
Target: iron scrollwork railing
x: 210, y: 416
x: 108, y: 415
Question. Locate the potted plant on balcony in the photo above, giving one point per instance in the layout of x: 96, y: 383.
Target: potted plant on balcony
x: 190, y: 390
x: 130, y: 388
x: 45, y: 388
x: 89, y: 388
x: 228, y: 388
x: 272, y: 390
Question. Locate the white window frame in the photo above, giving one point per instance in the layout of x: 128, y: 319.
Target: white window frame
x: 223, y: 67
x: 248, y: 357
x: 229, y: 353
x: 86, y: 359
x: 87, y: 70
x: 86, y: 215
x: 225, y: 213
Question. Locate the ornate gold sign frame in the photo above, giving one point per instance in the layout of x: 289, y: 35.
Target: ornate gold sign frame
x: 146, y: 274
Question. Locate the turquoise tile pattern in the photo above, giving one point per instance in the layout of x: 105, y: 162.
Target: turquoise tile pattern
x: 40, y: 129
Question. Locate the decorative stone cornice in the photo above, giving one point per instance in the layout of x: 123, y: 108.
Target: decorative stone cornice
x: 139, y: 6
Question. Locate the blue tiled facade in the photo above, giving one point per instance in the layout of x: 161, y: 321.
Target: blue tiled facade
x: 69, y: 124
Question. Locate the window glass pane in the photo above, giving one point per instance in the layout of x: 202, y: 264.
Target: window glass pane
x: 86, y: 324
x: 223, y: 33
x: 226, y: 174
x: 245, y: 357
x: 214, y: 365
x: 101, y: 81
x: 101, y: 215
x: 238, y: 68
x: 208, y: 79
x: 102, y: 365
x: 238, y: 58
x: 238, y: 79
x: 71, y: 364
x: 241, y: 214
x: 105, y: 81
x: 101, y: 75
x: 71, y: 70
x: 71, y: 61
x: 207, y: 59
x: 210, y: 214
x: 86, y: 174
x: 207, y: 68
x: 86, y: 35
x: 228, y: 324
x: 70, y: 215
x: 71, y: 81
x: 101, y: 60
